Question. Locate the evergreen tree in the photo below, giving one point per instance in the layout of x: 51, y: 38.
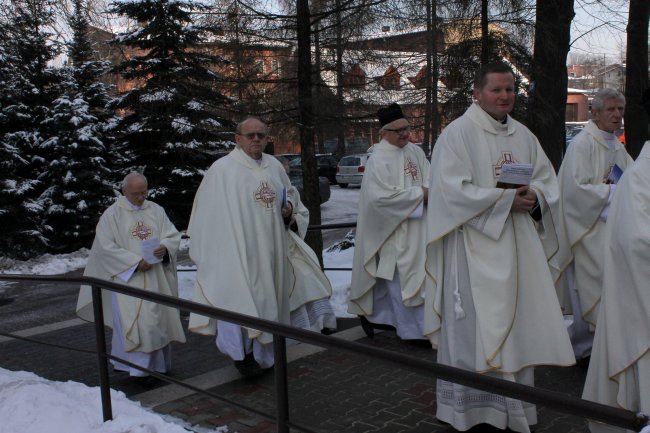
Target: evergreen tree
x: 171, y: 121
x: 28, y: 89
x: 78, y: 181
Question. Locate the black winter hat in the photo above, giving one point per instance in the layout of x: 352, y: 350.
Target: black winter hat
x: 389, y: 114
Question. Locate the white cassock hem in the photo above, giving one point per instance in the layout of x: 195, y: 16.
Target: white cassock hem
x: 314, y: 316
x: 461, y: 406
x: 582, y: 338
x: 159, y: 360
x: 233, y: 341
x: 389, y: 309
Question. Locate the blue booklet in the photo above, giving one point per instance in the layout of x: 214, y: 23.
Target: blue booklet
x: 615, y: 174
x: 284, y: 197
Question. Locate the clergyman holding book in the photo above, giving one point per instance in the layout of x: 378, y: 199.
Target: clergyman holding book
x: 491, y: 305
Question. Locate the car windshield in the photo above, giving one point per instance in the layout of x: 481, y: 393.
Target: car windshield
x: 350, y: 160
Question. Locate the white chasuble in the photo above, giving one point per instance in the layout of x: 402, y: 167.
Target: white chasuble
x: 584, y: 193
x: 388, y: 242
x: 518, y: 317
x: 238, y: 241
x: 619, y: 371
x: 310, y: 290
x: 146, y: 326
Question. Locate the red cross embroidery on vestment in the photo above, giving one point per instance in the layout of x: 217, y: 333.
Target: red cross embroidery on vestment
x: 506, y: 158
x: 411, y: 169
x: 141, y: 231
x: 265, y: 195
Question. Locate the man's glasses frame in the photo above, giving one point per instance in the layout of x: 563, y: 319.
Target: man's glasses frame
x: 252, y: 135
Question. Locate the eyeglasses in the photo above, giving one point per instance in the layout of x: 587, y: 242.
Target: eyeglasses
x: 399, y: 131
x: 252, y: 135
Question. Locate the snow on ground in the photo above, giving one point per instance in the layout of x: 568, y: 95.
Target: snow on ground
x: 31, y: 404
x: 47, y: 264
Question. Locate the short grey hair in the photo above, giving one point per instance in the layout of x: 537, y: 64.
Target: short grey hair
x: 598, y: 102
x: 246, y: 119
x: 133, y: 175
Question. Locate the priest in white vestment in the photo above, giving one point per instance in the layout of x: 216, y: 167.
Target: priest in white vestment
x: 388, y: 266
x: 136, y: 244
x: 246, y: 260
x: 490, y: 303
x: 587, y: 181
x: 619, y: 371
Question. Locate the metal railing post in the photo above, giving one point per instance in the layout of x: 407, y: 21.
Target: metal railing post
x: 281, y: 384
x: 102, y: 359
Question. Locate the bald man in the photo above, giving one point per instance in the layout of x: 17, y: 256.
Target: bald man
x: 142, y: 330
x: 247, y: 260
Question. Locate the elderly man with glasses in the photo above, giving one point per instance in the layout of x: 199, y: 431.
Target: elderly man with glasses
x: 248, y: 261
x: 587, y: 179
x: 388, y: 266
x: 136, y: 244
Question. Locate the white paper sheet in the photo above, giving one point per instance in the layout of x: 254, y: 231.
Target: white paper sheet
x: 147, y: 246
x: 126, y: 275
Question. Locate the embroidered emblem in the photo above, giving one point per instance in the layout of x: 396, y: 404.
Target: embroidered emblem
x: 506, y: 158
x: 141, y: 231
x: 411, y: 169
x: 265, y: 195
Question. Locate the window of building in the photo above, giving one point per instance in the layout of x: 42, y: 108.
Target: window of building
x: 259, y: 67
x: 275, y: 66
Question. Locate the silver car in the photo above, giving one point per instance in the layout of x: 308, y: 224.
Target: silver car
x: 349, y: 170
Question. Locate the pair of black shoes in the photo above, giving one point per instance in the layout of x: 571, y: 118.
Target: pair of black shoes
x: 249, y: 367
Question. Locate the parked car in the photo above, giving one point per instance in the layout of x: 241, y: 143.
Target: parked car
x: 288, y: 156
x: 350, y: 169
x: 572, y: 129
x: 323, y: 186
x: 326, y: 166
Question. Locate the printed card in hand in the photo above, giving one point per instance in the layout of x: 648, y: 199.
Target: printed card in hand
x: 515, y: 175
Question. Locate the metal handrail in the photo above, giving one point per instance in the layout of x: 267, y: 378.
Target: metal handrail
x: 558, y: 401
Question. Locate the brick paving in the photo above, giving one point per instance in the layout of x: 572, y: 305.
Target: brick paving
x: 335, y: 391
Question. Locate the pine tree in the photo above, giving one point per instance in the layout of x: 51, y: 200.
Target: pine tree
x: 28, y: 89
x: 78, y: 180
x: 171, y: 123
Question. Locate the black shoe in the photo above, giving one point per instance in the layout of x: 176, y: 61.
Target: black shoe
x: 420, y: 343
x: 367, y: 327
x: 248, y: 366
x: 147, y: 382
x: 583, y: 362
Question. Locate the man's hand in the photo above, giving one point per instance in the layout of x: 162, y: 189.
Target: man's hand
x: 160, y: 251
x: 143, y: 266
x: 525, y: 199
x: 287, y: 210
x: 425, y: 190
